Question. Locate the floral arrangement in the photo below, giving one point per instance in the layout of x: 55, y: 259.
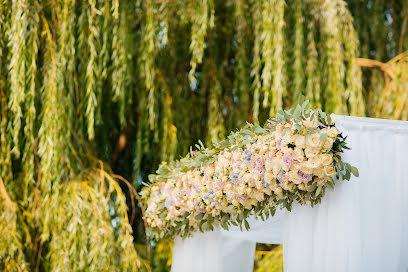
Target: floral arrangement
x: 294, y: 157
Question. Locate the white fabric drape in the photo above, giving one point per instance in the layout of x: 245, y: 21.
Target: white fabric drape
x: 361, y: 226
x: 220, y: 251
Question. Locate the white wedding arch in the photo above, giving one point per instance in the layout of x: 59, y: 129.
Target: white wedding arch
x: 360, y: 226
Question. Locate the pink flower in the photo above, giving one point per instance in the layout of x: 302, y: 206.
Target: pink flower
x: 304, y: 176
x: 287, y: 160
x: 279, y: 144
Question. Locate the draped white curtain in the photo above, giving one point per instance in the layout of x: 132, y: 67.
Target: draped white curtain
x: 361, y: 226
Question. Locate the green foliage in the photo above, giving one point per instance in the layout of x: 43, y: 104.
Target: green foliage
x: 76, y: 77
x: 11, y: 247
x: 94, y: 234
x: 268, y: 258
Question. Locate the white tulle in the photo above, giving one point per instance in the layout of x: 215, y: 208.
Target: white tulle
x: 361, y: 226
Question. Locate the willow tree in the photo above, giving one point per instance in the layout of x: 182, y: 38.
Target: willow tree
x: 93, y: 88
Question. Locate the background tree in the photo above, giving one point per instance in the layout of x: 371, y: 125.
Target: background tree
x: 90, y: 89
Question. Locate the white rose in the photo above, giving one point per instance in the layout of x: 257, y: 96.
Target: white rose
x: 287, y: 150
x: 300, y: 140
x: 319, y: 171
x: 268, y: 177
x: 326, y: 159
x: 294, y: 177
x: 324, y: 130
x: 298, y: 154
x: 332, y: 132
x: 311, y: 152
x: 328, y: 143
x: 306, y: 169
x: 329, y: 170
x: 247, y: 177
x: 310, y: 122
x: 288, y: 138
x: 313, y: 140
x: 314, y: 162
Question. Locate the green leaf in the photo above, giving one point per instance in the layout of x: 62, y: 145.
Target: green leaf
x: 260, y: 130
x: 318, y: 191
x: 205, y: 226
x: 297, y: 111
x: 354, y: 171
x: 347, y: 175
x: 199, y: 216
x: 246, y: 225
x: 323, y: 137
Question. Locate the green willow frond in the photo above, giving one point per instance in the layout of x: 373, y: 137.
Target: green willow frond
x: 241, y: 69
x: 11, y: 248
x: 272, y: 54
x: 119, y: 60
x: 17, y: 64
x: 91, y: 74
x: 215, y: 124
x: 148, y: 53
x: 354, y: 92
x: 332, y: 70
x: 279, y: 80
x: 66, y: 47
x: 31, y: 93
x: 202, y: 20
x: 169, y: 137
x: 313, y: 88
x: 52, y: 133
x: 94, y: 234
x: 297, y: 55
x: 256, y: 62
x: 5, y: 141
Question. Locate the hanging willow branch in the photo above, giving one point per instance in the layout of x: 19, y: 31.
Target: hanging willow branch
x: 17, y: 65
x: 76, y: 76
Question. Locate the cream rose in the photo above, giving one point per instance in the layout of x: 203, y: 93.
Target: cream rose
x: 288, y: 138
x: 268, y: 176
x: 314, y: 162
x: 313, y: 140
x: 328, y: 143
x: 329, y: 170
x: 332, y: 132
x: 298, y: 154
x: 294, y: 177
x: 310, y: 152
x: 287, y: 150
x: 300, y: 140
x: 319, y: 171
x: 326, y: 159
x: 306, y: 169
x: 310, y: 123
